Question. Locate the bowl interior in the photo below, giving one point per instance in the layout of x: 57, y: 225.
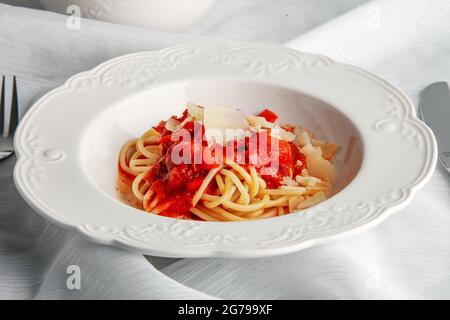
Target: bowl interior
x: 131, y: 117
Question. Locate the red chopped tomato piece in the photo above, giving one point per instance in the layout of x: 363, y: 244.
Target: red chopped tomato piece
x: 298, y: 158
x: 165, y: 139
x: 178, y: 175
x: 269, y: 115
x: 179, y: 207
x: 183, y: 117
x: 285, y: 153
x: 189, y: 126
x: 161, y: 127
x: 194, y: 185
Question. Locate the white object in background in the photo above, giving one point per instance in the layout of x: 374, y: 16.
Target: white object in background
x: 172, y: 15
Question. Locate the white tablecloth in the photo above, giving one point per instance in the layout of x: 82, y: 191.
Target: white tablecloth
x: 408, y: 256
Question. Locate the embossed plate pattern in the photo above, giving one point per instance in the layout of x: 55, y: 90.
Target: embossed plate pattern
x: 56, y: 172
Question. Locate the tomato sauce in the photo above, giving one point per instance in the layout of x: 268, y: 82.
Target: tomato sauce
x: 176, y: 184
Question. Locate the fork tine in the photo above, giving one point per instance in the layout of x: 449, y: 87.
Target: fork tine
x: 2, y: 107
x: 14, y: 117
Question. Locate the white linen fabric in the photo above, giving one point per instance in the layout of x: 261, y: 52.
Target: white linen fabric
x: 406, y: 257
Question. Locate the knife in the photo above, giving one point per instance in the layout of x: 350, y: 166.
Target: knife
x: 435, y: 111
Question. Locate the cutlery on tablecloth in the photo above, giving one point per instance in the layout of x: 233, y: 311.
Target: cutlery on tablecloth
x: 435, y: 111
x: 7, y: 128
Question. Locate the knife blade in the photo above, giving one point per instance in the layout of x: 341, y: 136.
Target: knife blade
x: 435, y: 111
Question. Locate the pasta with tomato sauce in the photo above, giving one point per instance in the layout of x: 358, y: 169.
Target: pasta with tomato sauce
x: 179, y: 169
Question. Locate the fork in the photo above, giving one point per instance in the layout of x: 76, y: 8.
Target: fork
x: 6, y: 138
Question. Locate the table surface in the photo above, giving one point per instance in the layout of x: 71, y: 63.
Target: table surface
x: 405, y: 257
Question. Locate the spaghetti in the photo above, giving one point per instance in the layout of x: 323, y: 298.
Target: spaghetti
x: 237, y: 185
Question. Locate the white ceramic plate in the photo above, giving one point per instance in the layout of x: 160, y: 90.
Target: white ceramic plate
x: 68, y: 145
x: 171, y: 15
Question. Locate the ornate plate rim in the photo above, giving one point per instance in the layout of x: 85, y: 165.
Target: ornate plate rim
x: 216, y: 245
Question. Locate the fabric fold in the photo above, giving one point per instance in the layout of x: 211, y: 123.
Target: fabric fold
x: 407, y: 257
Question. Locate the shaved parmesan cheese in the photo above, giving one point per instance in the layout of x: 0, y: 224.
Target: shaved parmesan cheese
x: 288, y: 181
x: 307, y: 181
x: 258, y: 122
x: 195, y: 111
x: 329, y: 150
x: 225, y: 122
x: 172, y: 125
x: 316, y: 143
x: 282, y: 134
x: 302, y: 138
x: 318, y: 166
